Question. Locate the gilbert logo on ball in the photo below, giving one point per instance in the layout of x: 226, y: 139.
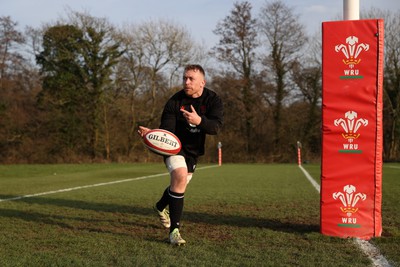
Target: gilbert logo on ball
x: 162, y: 142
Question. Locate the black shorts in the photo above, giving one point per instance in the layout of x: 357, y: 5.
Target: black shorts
x: 191, y: 164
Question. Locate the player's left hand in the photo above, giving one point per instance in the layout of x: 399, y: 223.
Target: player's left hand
x: 191, y: 117
x: 142, y: 130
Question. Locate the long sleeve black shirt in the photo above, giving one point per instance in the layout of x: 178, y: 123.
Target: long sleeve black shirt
x: 208, y: 106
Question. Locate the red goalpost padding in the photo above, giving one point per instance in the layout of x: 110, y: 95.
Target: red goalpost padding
x: 351, y: 167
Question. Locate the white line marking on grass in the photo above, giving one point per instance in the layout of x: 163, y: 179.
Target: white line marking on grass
x: 81, y: 187
x: 393, y: 167
x: 94, y: 185
x: 312, y: 181
x: 373, y: 253
x: 370, y: 250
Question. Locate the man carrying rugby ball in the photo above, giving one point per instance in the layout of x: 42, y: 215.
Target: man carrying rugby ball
x: 190, y: 114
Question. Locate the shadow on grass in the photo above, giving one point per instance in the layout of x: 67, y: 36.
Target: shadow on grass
x: 246, y: 221
x: 188, y: 216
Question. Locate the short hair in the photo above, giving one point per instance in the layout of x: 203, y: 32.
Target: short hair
x: 195, y: 67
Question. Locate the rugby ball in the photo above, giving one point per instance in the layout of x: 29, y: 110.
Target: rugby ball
x: 162, y: 142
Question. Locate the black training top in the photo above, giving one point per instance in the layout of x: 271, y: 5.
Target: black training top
x: 208, y: 106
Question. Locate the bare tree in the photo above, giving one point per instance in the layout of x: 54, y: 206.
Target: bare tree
x: 10, y: 57
x: 154, y: 52
x: 307, y: 76
x: 10, y: 65
x: 285, y: 37
x: 18, y: 87
x: 237, y: 45
x: 391, y: 83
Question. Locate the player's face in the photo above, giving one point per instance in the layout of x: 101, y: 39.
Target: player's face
x: 193, y: 83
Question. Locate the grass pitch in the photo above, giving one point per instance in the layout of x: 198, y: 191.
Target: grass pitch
x: 235, y: 215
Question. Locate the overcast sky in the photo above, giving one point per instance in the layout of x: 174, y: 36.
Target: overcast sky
x: 198, y: 16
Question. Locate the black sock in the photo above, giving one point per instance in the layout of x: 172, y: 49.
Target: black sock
x: 164, y: 201
x: 175, y: 208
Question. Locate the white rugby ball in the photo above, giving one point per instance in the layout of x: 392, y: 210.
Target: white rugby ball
x: 162, y: 142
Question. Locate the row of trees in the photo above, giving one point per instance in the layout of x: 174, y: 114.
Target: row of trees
x: 76, y: 90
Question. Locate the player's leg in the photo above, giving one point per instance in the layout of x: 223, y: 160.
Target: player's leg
x: 173, y: 163
x: 173, y: 197
x: 178, y: 173
x: 177, y: 168
x: 175, y: 201
x: 177, y: 205
x: 179, y: 181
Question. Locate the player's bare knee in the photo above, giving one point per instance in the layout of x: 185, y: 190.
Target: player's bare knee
x: 179, y: 180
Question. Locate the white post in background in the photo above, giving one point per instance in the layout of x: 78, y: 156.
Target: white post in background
x: 351, y: 9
